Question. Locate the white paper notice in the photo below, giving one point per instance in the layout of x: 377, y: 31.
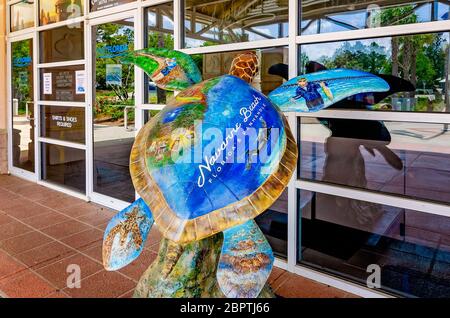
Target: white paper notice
x: 80, y: 82
x: 47, y: 79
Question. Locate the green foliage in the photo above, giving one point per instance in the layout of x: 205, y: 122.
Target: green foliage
x: 111, y: 34
x: 424, y: 51
x: 419, y: 58
x: 398, y: 15
x: 426, y: 72
x: 22, y: 77
x: 371, y: 58
x: 162, y: 40
x: 111, y: 99
x: 435, y: 52
x: 108, y: 107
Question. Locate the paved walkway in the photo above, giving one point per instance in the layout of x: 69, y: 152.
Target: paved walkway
x: 42, y: 232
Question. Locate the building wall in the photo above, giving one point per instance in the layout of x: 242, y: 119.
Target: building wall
x: 3, y: 97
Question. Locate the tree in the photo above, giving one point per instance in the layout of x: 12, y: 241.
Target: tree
x: 416, y: 58
x: 22, y: 72
x: 110, y: 35
x: 160, y: 40
x: 370, y: 58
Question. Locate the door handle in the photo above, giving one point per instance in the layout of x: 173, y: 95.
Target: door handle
x: 27, y: 111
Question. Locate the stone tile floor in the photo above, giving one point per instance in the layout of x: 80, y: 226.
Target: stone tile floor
x: 43, y: 231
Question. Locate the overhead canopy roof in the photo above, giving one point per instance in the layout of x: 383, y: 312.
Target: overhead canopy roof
x: 206, y: 19
x: 236, y: 10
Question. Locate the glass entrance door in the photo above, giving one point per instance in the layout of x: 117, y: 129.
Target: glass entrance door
x: 113, y: 109
x: 22, y: 106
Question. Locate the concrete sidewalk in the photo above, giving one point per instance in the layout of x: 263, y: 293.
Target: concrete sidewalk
x: 43, y: 231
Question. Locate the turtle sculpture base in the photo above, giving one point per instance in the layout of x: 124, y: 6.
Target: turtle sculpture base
x: 187, y: 271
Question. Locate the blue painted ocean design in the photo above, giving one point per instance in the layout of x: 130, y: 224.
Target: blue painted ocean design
x: 231, y: 182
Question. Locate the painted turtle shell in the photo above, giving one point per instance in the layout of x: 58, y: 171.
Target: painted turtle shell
x: 195, y: 163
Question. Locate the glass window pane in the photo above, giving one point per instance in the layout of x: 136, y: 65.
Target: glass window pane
x: 97, y: 5
x: 64, y: 166
x: 344, y: 15
x: 217, y: 64
x: 149, y: 114
x: 274, y: 224
x: 22, y: 108
x: 414, y: 66
x: 159, y: 32
x: 51, y: 11
x: 344, y: 237
x: 63, y: 84
x: 62, y: 44
x: 409, y: 159
x: 219, y: 22
x: 22, y: 16
x: 113, y: 111
x: 63, y: 123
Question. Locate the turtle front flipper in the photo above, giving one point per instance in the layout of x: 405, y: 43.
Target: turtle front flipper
x: 125, y: 235
x: 168, y: 69
x: 245, y: 262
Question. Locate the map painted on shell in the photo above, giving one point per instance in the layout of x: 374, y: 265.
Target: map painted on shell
x: 197, y: 171
x: 316, y: 91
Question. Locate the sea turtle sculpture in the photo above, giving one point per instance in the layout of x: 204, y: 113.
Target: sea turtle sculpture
x: 218, y: 155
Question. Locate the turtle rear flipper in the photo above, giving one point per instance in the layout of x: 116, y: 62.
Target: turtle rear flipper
x: 125, y: 235
x: 245, y: 262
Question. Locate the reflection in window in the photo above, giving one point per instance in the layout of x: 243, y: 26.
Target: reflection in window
x: 62, y: 44
x: 51, y: 11
x: 113, y: 111
x: 343, y: 237
x: 217, y: 64
x: 159, y: 32
x: 274, y: 224
x: 231, y: 21
x: 64, y: 166
x: 345, y: 15
x: 406, y: 62
x: 97, y: 5
x: 22, y: 107
x: 63, y: 123
x: 22, y: 16
x: 149, y: 114
x: 410, y: 159
x: 63, y: 84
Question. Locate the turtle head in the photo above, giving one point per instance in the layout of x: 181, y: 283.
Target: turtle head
x: 168, y: 69
x: 245, y: 66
